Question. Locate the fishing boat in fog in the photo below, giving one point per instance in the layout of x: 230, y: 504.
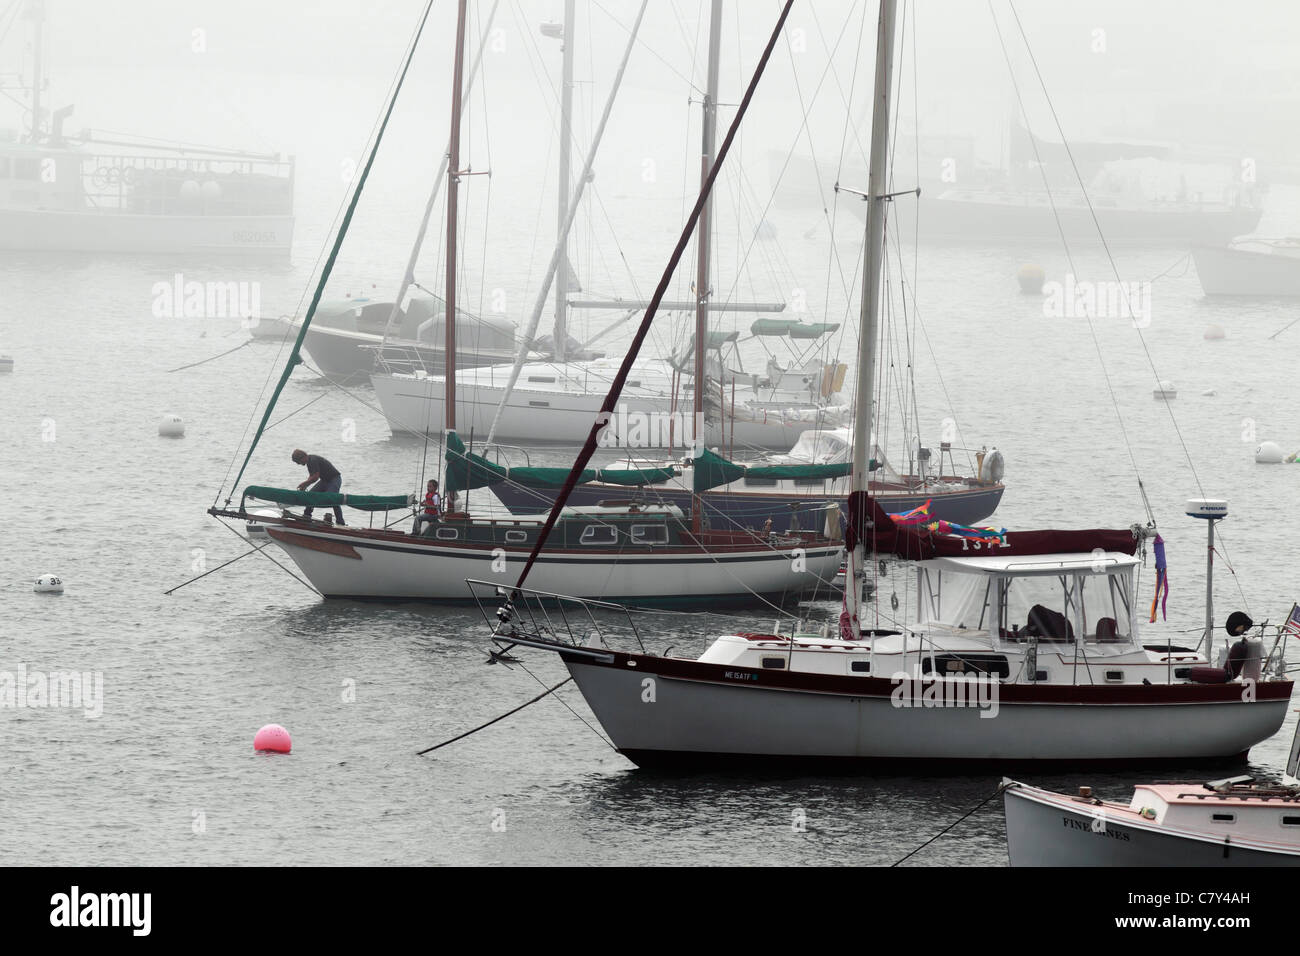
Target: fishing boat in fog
x: 86, y: 193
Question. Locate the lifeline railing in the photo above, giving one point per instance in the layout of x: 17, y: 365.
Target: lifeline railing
x: 545, y: 619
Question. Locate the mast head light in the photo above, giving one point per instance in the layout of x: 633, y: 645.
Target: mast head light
x: 1209, y: 509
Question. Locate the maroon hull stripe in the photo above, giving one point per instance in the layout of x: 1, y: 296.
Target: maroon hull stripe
x: 883, y: 687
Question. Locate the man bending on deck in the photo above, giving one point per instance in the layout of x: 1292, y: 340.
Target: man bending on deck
x: 327, y: 478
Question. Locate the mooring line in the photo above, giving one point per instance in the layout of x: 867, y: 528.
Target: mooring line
x: 978, y: 806
x: 508, y: 713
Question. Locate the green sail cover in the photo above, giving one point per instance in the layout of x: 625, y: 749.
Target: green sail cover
x: 814, y: 331
x: 713, y: 470
x: 320, y: 499
x: 466, y: 471
x: 792, y: 327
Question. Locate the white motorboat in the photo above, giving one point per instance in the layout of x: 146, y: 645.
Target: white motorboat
x: 1231, y: 822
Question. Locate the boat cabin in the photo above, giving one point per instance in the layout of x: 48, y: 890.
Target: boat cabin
x: 1051, y: 598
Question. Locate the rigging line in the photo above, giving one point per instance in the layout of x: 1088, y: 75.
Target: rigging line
x: 181, y: 368
x: 508, y: 713
x: 393, y: 87
x: 641, y: 42
x: 225, y: 564
x: 1110, y: 388
x: 269, y: 558
x: 585, y: 722
x: 1096, y: 224
x: 294, y: 355
x: 297, y: 410
x: 607, y: 406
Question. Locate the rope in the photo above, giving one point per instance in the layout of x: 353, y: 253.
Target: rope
x: 978, y: 806
x: 549, y: 690
x: 182, y: 368
x: 294, y: 356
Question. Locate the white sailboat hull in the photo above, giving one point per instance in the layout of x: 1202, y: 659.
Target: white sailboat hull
x: 341, y: 565
x: 706, y: 714
x: 416, y: 406
x: 1049, y: 829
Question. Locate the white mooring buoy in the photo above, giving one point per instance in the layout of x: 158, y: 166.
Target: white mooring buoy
x: 171, y: 426
x: 48, y: 584
x: 1269, y: 453
x: 1215, y: 332
x: 1031, y: 278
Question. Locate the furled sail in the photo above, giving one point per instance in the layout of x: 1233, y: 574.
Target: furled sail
x: 712, y: 470
x: 322, y: 499
x: 466, y: 471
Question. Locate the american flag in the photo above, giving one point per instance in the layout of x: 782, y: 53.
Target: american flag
x: 1293, y: 620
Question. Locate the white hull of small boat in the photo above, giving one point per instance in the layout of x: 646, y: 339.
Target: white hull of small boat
x: 1251, y: 269
x: 341, y: 564
x: 1052, y: 829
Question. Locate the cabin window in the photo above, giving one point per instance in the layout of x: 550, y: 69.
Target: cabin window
x: 973, y: 663
x: 448, y: 534
x: 774, y: 663
x: 1114, y: 677
x: 598, y: 534
x: 516, y: 537
x: 27, y: 169
x: 860, y: 667
x: 809, y: 482
x: 761, y: 482
x: 1223, y: 818
x: 1290, y: 821
x: 650, y: 533
x: 544, y: 379
x: 540, y: 404
x: 633, y: 385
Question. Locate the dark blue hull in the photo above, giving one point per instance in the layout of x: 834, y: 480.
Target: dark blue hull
x: 748, y: 510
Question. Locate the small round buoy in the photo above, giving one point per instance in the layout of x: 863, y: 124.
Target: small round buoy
x: 274, y: 738
x: 1031, y: 278
x: 1215, y: 332
x: 1164, y: 391
x: 48, y: 584
x: 1269, y: 453
x: 171, y: 426
x: 1210, y: 392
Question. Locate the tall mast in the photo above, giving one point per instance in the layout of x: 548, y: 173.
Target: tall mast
x: 36, y: 12
x: 561, y: 222
x: 875, y: 247
x: 453, y: 185
x: 704, y: 236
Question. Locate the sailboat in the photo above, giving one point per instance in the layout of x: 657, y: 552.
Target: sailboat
x: 647, y: 556
x: 1025, y: 645
x: 555, y: 400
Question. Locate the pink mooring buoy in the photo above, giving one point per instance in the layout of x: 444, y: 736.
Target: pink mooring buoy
x: 274, y: 738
